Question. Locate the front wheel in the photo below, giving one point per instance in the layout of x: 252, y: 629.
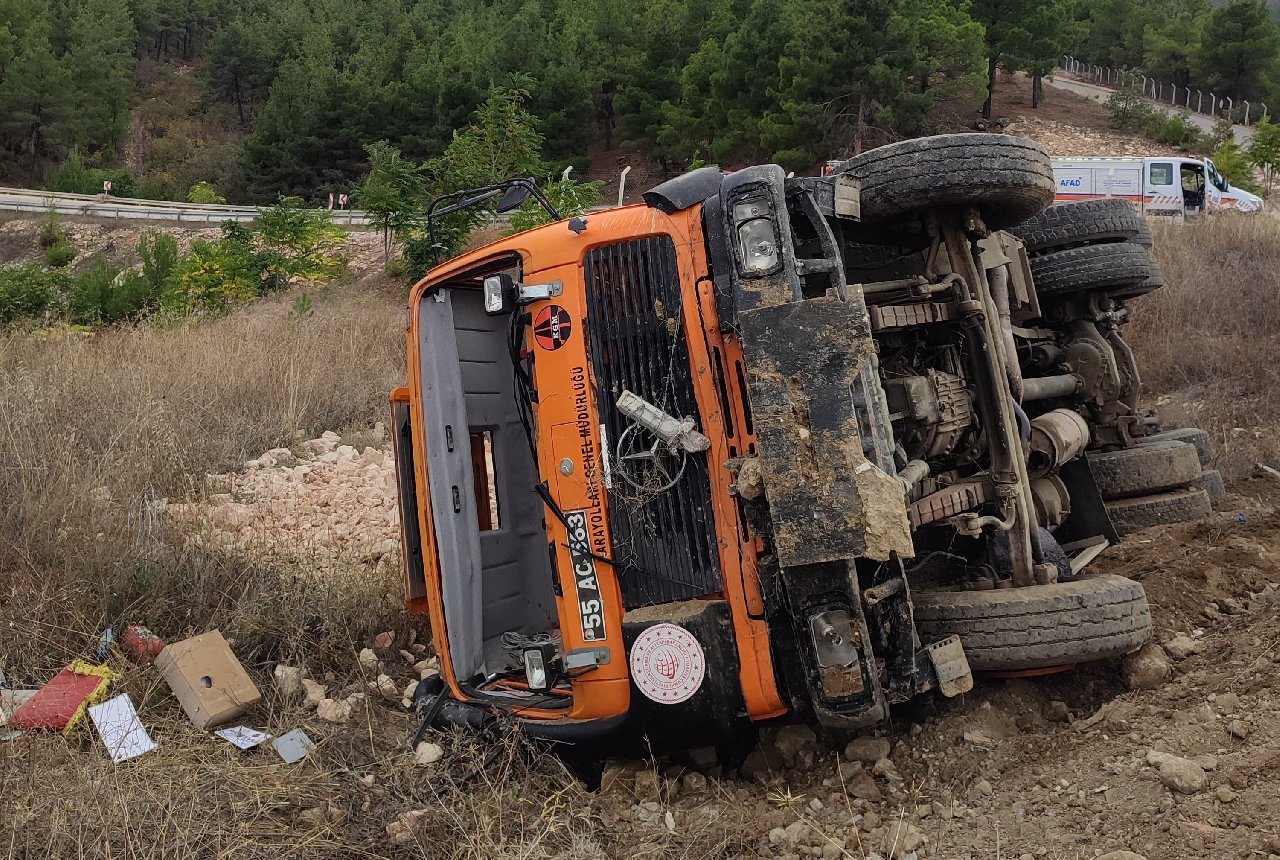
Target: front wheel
x: 1039, y: 626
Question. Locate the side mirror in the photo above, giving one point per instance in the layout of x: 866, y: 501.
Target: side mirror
x: 514, y: 198
x: 499, y: 294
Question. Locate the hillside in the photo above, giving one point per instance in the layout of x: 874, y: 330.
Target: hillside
x: 263, y: 101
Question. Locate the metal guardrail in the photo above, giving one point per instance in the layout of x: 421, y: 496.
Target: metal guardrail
x: 105, y: 206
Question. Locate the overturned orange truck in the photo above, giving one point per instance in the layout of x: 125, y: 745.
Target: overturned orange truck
x: 767, y: 447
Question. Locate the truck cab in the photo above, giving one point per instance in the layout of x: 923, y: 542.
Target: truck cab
x: 656, y: 488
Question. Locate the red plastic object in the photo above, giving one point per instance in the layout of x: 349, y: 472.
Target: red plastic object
x: 61, y: 703
x: 1032, y: 673
x: 141, y: 644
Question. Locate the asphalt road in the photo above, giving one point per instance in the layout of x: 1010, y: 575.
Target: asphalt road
x: 1243, y: 133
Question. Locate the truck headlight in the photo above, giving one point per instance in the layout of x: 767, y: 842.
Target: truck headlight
x: 757, y: 236
x: 498, y: 290
x: 539, y: 668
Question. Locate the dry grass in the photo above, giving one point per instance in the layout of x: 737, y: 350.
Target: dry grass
x: 96, y: 430
x: 1208, y: 344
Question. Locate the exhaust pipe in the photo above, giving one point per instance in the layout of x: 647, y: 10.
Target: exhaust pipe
x: 1057, y: 437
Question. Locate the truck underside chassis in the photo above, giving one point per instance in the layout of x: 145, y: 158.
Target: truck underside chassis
x: 898, y: 477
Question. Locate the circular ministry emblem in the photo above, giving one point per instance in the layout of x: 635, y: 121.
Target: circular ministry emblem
x: 552, y: 327
x: 667, y: 664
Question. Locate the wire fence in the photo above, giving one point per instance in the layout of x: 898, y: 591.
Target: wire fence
x: 1204, y: 102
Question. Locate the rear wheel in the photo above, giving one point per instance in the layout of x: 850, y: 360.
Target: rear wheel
x: 1039, y: 626
x: 1153, y: 282
x: 1178, y: 506
x: 1144, y: 469
x: 1086, y: 223
x: 1108, y: 267
x: 1007, y: 178
x: 1193, y: 436
x: 1211, y: 482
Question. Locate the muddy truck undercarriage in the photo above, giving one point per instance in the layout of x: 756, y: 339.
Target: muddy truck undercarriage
x: 795, y: 448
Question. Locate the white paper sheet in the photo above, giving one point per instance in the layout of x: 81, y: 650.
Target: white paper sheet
x: 243, y: 736
x: 121, y: 731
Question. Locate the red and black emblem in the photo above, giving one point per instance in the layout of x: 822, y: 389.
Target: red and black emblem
x: 552, y: 327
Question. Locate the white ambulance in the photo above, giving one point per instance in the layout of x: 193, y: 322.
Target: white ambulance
x: 1169, y: 186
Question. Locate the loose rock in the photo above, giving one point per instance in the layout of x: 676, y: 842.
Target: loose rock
x: 1181, y: 647
x: 1180, y: 774
x: 333, y: 710
x: 427, y: 753
x: 1057, y: 712
x: 869, y: 750
x: 313, y: 692
x: 864, y: 786
x: 368, y: 659
x: 386, y: 687
x: 1147, y: 668
x: 288, y: 680
x: 902, y: 838
x: 403, y: 831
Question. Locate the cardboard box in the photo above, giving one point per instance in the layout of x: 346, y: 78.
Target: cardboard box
x: 208, y: 680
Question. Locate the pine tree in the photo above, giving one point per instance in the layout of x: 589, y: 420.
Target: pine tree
x: 36, y: 102
x: 1240, y: 46
x: 100, y: 59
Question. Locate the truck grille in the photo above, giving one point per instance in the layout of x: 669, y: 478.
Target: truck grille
x: 664, y: 543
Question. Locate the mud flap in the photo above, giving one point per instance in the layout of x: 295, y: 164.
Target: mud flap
x: 1089, y: 517
x: 951, y: 666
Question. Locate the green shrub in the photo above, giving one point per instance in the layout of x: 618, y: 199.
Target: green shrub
x: 569, y: 198
x: 1177, y: 130
x: 60, y: 253
x: 217, y: 276
x: 1130, y: 111
x: 159, y: 254
x: 299, y: 244
x: 397, y: 267
x: 451, y: 235
x: 203, y: 192
x: 50, y: 232
x: 74, y: 176
x: 26, y: 291
x: 1233, y: 162
x: 89, y: 302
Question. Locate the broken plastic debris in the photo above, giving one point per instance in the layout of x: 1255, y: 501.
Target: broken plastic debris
x: 243, y: 736
x: 121, y: 731
x: 293, y: 746
x: 60, y: 704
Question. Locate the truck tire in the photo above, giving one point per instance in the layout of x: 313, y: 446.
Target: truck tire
x: 1144, y: 469
x: 1154, y: 282
x: 1089, y: 268
x: 1212, y: 483
x: 1090, y: 222
x: 1179, y: 506
x: 1144, y: 237
x: 1193, y: 436
x: 1091, y: 618
x: 1007, y: 178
